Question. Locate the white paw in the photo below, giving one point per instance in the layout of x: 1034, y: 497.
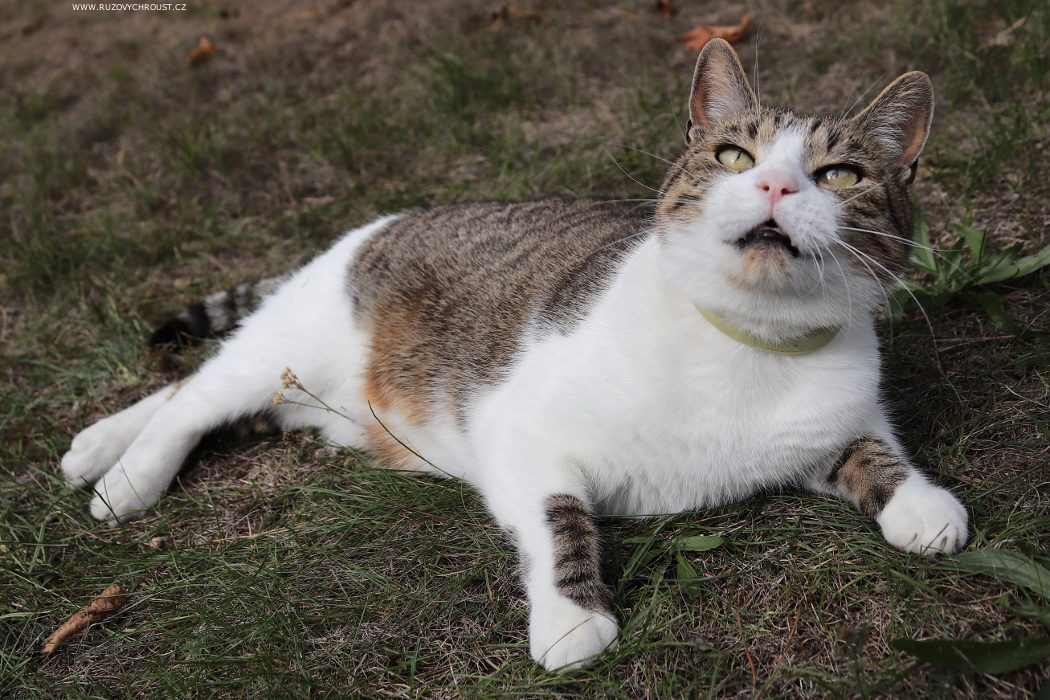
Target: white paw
x: 562, y: 635
x: 128, y: 489
x: 95, y: 449
x: 924, y: 519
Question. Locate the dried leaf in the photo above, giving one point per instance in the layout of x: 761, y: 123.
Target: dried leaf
x: 512, y: 13
x: 698, y: 36
x: 108, y: 602
x: 1006, y: 36
x: 663, y: 8
x: 201, y: 52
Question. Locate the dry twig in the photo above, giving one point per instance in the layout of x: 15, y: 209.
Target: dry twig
x: 108, y: 602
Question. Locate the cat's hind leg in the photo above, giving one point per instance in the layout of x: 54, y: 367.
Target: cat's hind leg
x: 235, y: 383
x: 306, y: 325
x: 96, y: 448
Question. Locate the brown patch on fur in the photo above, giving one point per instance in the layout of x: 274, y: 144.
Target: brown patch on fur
x: 450, y: 293
x: 391, y: 384
x: 577, y: 574
x: 868, y: 472
x: 389, y: 452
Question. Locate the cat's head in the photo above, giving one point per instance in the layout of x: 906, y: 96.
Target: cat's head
x: 788, y: 222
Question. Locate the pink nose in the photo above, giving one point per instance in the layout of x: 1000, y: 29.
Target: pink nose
x: 776, y: 185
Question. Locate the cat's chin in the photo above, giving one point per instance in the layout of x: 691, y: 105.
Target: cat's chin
x: 762, y: 284
x: 763, y: 267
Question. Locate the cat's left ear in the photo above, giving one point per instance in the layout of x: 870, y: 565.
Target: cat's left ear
x: 900, y: 118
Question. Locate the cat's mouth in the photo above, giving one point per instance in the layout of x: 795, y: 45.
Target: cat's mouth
x: 768, y: 233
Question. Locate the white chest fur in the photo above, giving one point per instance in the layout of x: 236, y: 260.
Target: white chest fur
x: 659, y: 412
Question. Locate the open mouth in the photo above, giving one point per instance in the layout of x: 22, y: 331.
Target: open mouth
x: 767, y: 234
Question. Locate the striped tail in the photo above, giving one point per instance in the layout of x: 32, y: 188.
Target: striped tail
x: 215, y: 315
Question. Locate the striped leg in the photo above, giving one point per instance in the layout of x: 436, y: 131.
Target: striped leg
x: 914, y: 515
x: 571, y: 617
x: 577, y: 572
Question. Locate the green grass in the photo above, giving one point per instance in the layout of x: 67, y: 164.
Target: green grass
x: 133, y: 183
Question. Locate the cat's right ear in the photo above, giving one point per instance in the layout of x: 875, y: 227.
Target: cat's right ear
x: 720, y: 88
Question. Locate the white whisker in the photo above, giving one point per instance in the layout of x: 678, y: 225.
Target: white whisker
x: 618, y: 241
x: 891, y: 235
x: 678, y: 123
x: 845, y: 283
x: 914, y: 244
x: 859, y: 194
x: 672, y: 163
x: 845, y: 112
x: 758, y: 45
x: 631, y: 177
x: 900, y: 282
x: 819, y: 255
x: 857, y: 254
x: 652, y: 200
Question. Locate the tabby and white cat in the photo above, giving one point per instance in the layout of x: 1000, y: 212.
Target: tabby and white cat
x: 573, y: 358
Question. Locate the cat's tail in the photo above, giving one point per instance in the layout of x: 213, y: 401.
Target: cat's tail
x: 215, y: 315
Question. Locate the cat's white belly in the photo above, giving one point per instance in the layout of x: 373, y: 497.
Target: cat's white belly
x: 674, y: 415
x: 718, y: 448
x: 663, y: 440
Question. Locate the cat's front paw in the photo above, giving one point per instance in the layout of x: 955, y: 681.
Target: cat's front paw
x: 563, y: 636
x: 923, y: 518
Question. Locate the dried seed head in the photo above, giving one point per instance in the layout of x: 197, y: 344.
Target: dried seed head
x: 289, y: 380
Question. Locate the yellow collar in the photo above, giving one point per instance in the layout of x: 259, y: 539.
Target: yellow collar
x: 810, y: 342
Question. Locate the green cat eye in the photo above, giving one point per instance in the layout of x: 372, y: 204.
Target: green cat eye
x: 735, y: 158
x: 838, y: 176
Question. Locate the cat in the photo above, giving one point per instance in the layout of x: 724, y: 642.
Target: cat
x: 572, y: 358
